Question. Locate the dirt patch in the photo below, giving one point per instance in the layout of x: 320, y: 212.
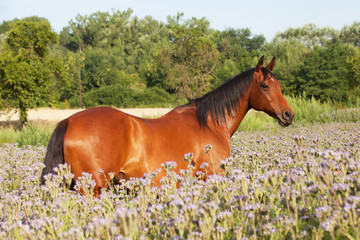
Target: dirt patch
x: 49, y: 114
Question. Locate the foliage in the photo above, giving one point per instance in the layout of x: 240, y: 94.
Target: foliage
x: 325, y: 73
x: 349, y: 34
x: 72, y: 62
x: 240, y: 46
x: 120, y: 96
x: 310, y: 35
x: 289, y: 56
x: 293, y: 46
x: 295, y: 183
x: 239, y: 50
x: 4, y: 27
x: 354, y: 83
x: 191, y: 58
x: 113, y: 46
x: 25, y: 68
x: 184, y: 57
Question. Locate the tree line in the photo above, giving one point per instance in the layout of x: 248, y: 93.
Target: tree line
x: 115, y: 58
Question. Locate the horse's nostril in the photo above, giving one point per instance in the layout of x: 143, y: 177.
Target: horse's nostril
x: 287, y: 115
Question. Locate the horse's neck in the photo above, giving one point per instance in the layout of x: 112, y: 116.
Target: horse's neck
x: 234, y: 121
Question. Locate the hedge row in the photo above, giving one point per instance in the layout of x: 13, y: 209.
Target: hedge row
x: 122, y: 97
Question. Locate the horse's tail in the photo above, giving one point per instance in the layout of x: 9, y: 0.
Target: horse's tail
x: 55, y: 153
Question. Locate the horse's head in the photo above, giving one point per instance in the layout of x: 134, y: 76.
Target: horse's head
x: 265, y: 94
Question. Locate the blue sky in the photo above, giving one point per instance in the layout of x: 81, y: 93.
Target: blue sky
x: 262, y: 17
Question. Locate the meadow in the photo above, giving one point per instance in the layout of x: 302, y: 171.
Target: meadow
x: 292, y: 183
x: 300, y: 182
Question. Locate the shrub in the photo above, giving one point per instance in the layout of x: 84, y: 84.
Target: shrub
x: 120, y: 96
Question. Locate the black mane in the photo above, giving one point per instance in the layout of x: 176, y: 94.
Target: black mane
x: 224, y: 99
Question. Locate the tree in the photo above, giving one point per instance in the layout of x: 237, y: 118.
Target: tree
x: 71, y: 79
x: 237, y: 43
x: 325, y: 73
x: 310, y: 35
x: 113, y: 45
x: 25, y: 68
x: 76, y: 38
x: 239, y: 51
x: 290, y: 54
x: 190, y: 58
x: 350, y: 34
x: 354, y: 84
x: 355, y: 67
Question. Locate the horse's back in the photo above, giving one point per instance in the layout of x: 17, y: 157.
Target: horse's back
x: 100, y: 124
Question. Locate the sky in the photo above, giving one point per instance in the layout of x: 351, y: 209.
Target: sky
x: 262, y: 17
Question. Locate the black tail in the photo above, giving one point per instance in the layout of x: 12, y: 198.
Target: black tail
x: 55, y: 153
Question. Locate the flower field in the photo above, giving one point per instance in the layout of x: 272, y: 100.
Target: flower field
x: 293, y: 183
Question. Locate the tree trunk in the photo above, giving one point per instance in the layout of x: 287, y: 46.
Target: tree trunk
x: 80, y: 99
x: 22, y: 114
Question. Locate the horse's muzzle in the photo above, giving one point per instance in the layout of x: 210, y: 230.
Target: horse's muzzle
x: 286, y: 118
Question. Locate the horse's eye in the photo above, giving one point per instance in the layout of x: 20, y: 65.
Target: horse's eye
x: 264, y: 86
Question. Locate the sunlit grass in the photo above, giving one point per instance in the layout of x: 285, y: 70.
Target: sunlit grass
x: 34, y: 133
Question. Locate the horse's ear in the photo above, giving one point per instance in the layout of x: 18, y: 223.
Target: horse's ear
x: 260, y: 64
x: 271, y: 64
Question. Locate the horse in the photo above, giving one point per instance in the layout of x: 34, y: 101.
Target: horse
x: 108, y: 139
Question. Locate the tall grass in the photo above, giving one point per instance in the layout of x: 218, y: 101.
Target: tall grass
x: 36, y: 132
x: 307, y: 112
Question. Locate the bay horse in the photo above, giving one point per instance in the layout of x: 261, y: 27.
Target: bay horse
x: 108, y: 139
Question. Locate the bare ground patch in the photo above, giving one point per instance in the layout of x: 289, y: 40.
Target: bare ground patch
x: 49, y: 114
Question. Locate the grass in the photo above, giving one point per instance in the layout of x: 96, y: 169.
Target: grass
x: 35, y: 133
x: 307, y: 112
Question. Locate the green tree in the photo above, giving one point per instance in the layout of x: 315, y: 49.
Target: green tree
x: 237, y: 43
x: 354, y: 84
x: 77, y: 37
x: 290, y: 54
x: 25, y: 68
x: 355, y: 67
x: 310, y: 35
x: 72, y: 62
x: 239, y: 51
x: 325, y: 73
x: 350, y: 34
x: 114, y: 45
x: 190, y: 59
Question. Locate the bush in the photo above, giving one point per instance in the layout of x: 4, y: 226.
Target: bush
x: 122, y: 97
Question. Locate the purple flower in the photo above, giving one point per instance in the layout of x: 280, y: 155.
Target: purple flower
x: 324, y: 210
x: 204, y: 165
x: 168, y: 166
x: 188, y: 157
x: 208, y: 148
